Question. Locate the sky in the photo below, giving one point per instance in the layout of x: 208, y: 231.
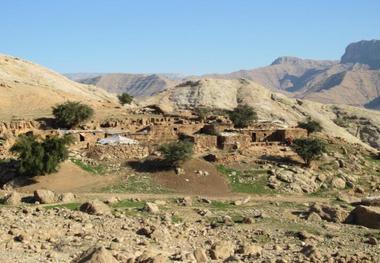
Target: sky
x: 181, y: 36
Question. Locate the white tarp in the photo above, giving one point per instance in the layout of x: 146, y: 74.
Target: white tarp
x: 117, y: 139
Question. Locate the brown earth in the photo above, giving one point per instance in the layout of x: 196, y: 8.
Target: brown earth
x: 194, y: 183
x: 70, y: 178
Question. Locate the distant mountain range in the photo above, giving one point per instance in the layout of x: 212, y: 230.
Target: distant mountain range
x: 354, y: 80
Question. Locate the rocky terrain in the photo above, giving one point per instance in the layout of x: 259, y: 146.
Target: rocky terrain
x: 274, y: 229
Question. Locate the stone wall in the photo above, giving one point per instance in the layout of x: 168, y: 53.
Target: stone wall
x: 117, y: 152
x: 204, y: 142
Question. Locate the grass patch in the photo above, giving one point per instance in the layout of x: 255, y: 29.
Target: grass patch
x: 98, y: 169
x: 129, y: 204
x: 248, y: 181
x: 136, y: 184
x: 221, y: 205
x: 177, y: 219
x: 70, y: 206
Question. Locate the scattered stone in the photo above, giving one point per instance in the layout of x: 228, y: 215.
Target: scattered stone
x: 179, y: 171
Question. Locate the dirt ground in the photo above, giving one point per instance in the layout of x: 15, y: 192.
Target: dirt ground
x: 70, y: 178
x: 192, y: 182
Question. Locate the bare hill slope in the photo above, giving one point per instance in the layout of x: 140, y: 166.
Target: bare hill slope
x: 28, y: 90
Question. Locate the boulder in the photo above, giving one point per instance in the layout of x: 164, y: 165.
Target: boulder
x: 365, y: 216
x: 95, y: 207
x: 329, y: 213
x: 13, y: 198
x: 151, y: 208
x: 185, y: 201
x: 250, y: 249
x: 66, y: 197
x: 151, y: 257
x: 371, y: 201
x: 96, y: 255
x: 45, y: 196
x: 221, y: 250
x: 338, y: 183
x: 200, y: 255
x: 242, y: 201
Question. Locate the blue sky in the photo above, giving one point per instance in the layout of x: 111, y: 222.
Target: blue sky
x: 182, y: 36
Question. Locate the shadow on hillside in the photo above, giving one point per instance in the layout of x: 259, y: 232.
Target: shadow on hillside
x: 149, y: 166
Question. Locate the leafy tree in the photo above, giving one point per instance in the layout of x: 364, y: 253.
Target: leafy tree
x: 40, y: 157
x: 243, y: 116
x: 176, y: 152
x: 125, y: 98
x: 71, y: 113
x: 308, y: 149
x: 311, y: 126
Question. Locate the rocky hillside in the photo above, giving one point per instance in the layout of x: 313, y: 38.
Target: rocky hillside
x: 28, y: 90
x: 137, y: 85
x: 227, y: 94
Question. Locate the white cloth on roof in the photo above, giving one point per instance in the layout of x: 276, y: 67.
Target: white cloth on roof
x: 117, y: 139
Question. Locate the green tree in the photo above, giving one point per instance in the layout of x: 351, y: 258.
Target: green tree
x: 71, y: 114
x: 177, y: 152
x: 125, y: 98
x: 311, y: 126
x: 40, y: 157
x: 309, y: 149
x: 243, y: 116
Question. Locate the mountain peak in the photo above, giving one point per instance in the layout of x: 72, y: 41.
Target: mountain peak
x: 287, y: 60
x: 363, y: 52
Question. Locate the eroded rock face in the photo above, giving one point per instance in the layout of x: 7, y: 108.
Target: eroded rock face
x: 363, y: 52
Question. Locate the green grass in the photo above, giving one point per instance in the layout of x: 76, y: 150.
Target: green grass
x: 248, y: 181
x: 221, y: 205
x: 99, y: 169
x: 177, y: 219
x: 71, y: 206
x: 129, y: 204
x: 136, y: 184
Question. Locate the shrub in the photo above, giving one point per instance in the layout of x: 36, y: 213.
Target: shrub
x: 311, y: 126
x: 243, y: 116
x: 308, y: 149
x: 40, y: 157
x: 125, y: 98
x: 176, y: 152
x: 70, y: 114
